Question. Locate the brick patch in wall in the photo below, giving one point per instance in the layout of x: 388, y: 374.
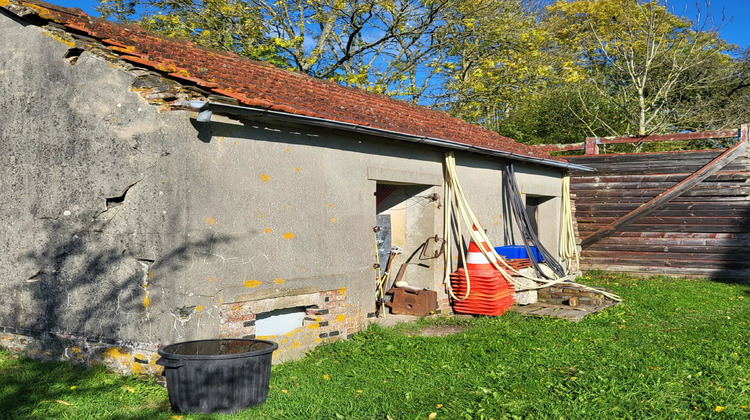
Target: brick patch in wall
x: 327, y: 318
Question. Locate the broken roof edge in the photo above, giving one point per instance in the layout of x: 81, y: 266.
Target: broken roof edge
x: 207, y: 108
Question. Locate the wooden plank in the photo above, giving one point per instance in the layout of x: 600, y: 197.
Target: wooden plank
x: 591, y: 143
x: 687, y: 228
x: 560, y: 147
x: 683, y: 235
x: 703, y: 135
x: 679, y: 155
x: 584, y: 216
x: 679, y: 189
x: 693, y: 239
x: 669, y: 247
x: 724, y: 204
x: 593, y: 228
x: 658, y: 262
x: 709, y: 272
x: 672, y: 220
x: 676, y: 177
x: 668, y: 256
x: 625, y: 194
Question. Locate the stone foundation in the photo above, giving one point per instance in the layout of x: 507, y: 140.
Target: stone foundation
x: 120, y: 356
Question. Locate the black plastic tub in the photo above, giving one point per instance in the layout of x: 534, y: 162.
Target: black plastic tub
x: 217, y: 376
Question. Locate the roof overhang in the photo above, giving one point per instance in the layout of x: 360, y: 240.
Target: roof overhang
x: 206, y: 109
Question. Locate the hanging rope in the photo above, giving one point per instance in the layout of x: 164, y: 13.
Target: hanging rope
x: 568, y: 247
x: 456, y: 205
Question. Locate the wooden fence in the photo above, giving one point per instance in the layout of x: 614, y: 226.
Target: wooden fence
x: 683, y: 213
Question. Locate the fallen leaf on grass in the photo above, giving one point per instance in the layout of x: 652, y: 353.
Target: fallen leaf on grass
x: 432, y: 416
x: 63, y: 402
x: 128, y: 388
x: 719, y: 409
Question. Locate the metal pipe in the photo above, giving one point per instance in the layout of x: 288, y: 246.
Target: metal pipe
x: 206, y: 110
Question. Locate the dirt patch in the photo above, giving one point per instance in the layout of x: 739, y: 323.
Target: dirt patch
x: 439, y: 331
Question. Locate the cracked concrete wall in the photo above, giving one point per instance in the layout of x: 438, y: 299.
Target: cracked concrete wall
x: 126, y: 224
x: 91, y: 193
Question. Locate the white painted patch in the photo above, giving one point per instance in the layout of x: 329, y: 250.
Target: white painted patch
x: 279, y: 321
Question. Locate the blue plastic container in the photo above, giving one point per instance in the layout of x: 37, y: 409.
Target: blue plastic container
x: 514, y: 252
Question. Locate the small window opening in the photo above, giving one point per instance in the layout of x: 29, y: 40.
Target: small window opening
x: 71, y: 56
x: 279, y: 321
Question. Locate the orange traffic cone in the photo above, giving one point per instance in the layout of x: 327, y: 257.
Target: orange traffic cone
x: 475, y: 260
x: 490, y: 293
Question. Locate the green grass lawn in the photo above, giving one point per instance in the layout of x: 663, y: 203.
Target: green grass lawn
x: 674, y: 348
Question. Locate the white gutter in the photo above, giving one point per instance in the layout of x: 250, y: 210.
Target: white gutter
x: 207, y: 109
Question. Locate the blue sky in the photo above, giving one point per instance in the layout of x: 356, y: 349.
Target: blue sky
x: 734, y: 31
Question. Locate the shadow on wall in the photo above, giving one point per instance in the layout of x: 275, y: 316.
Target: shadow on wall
x: 89, y: 286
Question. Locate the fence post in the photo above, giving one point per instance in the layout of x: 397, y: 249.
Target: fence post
x: 590, y: 146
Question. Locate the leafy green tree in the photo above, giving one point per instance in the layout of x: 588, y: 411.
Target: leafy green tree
x: 386, y: 46
x: 496, y: 54
x: 225, y: 25
x: 642, y: 59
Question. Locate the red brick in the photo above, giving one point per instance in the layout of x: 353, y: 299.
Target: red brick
x: 240, y: 318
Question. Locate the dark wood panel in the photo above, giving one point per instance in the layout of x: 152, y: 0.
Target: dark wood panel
x: 586, y: 229
x: 667, y: 256
x: 659, y: 262
x: 667, y: 212
x: 706, y: 155
x: 709, y: 272
x: 704, y: 231
x: 679, y: 220
x: 682, y: 235
x: 677, y: 177
x: 674, y: 245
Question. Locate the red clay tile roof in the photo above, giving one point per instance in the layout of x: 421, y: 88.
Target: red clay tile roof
x: 261, y: 85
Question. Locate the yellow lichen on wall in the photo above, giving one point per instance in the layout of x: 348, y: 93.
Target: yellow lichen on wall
x: 42, y: 11
x: 67, y: 42
x: 113, y: 355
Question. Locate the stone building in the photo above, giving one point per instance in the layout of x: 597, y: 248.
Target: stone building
x: 154, y: 191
